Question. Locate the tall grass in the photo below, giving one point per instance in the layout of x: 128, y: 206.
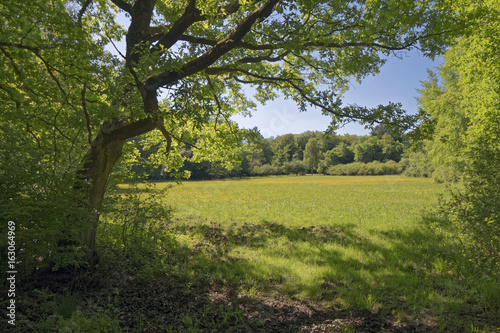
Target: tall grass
x: 344, y: 241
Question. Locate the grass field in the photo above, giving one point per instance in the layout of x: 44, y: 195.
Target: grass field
x: 366, y: 243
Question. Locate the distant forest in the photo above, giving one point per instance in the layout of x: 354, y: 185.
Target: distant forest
x: 379, y: 153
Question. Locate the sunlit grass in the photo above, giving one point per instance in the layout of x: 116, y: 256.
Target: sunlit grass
x: 344, y: 241
x: 305, y: 201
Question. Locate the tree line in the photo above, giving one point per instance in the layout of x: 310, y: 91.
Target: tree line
x: 309, y: 152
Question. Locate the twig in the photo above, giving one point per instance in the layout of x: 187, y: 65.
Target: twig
x: 87, y: 117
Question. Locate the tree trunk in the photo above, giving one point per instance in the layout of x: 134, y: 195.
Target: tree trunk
x: 98, y: 163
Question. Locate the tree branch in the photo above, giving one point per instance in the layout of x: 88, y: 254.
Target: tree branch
x: 83, y: 9
x: 166, y: 134
x: 49, y: 70
x: 20, y: 46
x: 269, y: 58
x: 224, y: 70
x: 38, y: 144
x: 120, y: 130
x: 191, y: 15
x: 52, y: 125
x: 217, y: 51
x: 169, y: 136
x: 217, y: 101
x: 123, y: 5
x: 277, y: 46
x: 87, y: 118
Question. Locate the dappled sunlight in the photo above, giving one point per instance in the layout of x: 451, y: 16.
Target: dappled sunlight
x: 338, y: 266
x: 361, y: 244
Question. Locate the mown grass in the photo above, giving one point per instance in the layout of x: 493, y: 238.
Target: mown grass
x: 364, y: 242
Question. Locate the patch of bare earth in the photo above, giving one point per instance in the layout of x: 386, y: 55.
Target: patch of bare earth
x: 271, y: 313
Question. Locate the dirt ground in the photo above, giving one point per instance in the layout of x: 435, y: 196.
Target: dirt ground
x: 156, y: 305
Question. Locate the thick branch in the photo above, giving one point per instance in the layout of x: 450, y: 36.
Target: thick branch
x: 123, y: 5
x: 83, y: 9
x: 120, y: 131
x: 139, y: 30
x: 217, y: 51
x: 191, y: 15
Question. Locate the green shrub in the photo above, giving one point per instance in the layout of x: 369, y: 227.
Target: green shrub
x: 363, y: 169
x: 417, y: 164
x: 445, y: 174
x: 37, y: 195
x: 138, y: 220
x: 294, y: 167
x: 475, y: 210
x: 266, y: 170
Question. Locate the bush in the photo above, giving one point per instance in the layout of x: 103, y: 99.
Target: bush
x: 137, y: 220
x: 323, y: 167
x: 417, y: 165
x: 266, y: 170
x: 359, y: 169
x: 294, y: 167
x: 475, y: 210
x: 445, y: 174
x: 134, y: 229
x: 46, y: 212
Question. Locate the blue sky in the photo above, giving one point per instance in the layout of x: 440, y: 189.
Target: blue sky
x: 397, y: 81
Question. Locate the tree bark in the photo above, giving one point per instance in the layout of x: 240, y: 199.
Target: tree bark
x: 98, y: 163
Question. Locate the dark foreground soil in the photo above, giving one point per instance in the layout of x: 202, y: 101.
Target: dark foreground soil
x: 167, y: 304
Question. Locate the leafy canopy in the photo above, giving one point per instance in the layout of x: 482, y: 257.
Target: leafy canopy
x: 185, y: 66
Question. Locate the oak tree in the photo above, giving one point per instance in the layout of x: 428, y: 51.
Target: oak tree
x: 69, y: 89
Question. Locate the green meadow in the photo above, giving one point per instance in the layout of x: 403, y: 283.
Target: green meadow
x: 369, y: 243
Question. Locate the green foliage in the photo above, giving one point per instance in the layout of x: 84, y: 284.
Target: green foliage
x: 181, y: 76
x: 417, y: 164
x: 312, y: 154
x: 361, y: 169
x: 183, y: 71
x: 367, y: 150
x: 294, y: 168
x: 266, y: 170
x: 37, y: 195
x: 137, y: 221
x: 253, y: 155
x: 374, y: 149
x: 461, y: 113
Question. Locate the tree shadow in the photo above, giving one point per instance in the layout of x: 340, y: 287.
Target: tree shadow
x: 400, y: 283
x: 406, y: 282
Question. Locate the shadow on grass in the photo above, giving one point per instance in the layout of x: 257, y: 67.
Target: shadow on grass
x: 397, y: 280
x: 274, y: 278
